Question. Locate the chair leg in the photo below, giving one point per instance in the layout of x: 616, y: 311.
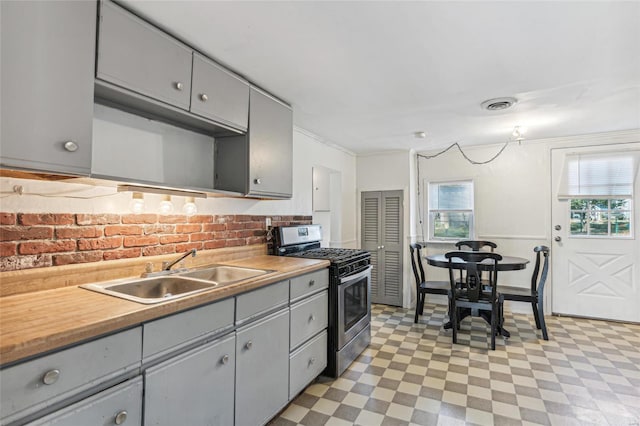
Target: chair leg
x: 494, y: 315
x: 543, y: 324
x: 423, y: 296
x: 454, y: 321
x: 415, y: 319
x: 534, y: 305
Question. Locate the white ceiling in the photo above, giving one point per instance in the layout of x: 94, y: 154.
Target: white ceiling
x: 367, y: 75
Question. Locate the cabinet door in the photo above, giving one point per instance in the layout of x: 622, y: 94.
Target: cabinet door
x: 135, y: 55
x: 219, y: 95
x: 47, y: 54
x: 195, y: 388
x: 119, y: 405
x: 262, y: 369
x: 270, y: 146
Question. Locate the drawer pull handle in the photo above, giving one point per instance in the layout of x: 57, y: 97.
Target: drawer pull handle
x: 178, y: 85
x: 312, y: 361
x: 248, y: 345
x: 50, y: 377
x: 312, y: 282
x: 225, y: 359
x: 121, y: 417
x: 312, y: 318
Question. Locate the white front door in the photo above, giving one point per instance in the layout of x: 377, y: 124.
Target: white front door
x: 595, y: 250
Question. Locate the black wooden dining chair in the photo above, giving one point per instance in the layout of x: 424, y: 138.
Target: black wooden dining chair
x: 473, y: 293
x: 475, y: 245
x: 422, y: 285
x: 535, y: 294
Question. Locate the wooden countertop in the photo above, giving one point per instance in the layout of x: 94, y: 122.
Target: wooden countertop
x: 37, y: 322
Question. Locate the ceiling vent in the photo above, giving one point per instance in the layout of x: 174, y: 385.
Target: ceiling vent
x: 498, y: 104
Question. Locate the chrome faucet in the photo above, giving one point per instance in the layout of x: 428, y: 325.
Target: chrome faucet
x: 166, y: 266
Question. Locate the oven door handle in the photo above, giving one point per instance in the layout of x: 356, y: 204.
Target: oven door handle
x: 356, y: 276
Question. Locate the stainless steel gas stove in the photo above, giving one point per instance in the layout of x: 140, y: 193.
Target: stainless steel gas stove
x: 349, y: 291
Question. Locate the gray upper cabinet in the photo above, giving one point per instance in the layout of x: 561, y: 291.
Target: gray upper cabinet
x: 219, y: 95
x: 259, y: 164
x: 135, y: 55
x: 47, y: 55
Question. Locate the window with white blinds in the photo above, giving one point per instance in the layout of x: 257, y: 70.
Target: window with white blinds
x: 599, y: 175
x: 451, y: 206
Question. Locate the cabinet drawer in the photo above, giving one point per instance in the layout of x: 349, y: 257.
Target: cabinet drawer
x: 28, y: 387
x: 309, y: 283
x: 308, y: 317
x: 122, y: 402
x: 261, y: 301
x: 179, y: 330
x: 307, y: 363
x: 135, y: 55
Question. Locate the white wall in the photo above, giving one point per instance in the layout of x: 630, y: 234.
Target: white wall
x: 308, y: 151
x: 512, y: 194
x: 389, y: 172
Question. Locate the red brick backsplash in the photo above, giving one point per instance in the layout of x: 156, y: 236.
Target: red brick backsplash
x: 36, y: 240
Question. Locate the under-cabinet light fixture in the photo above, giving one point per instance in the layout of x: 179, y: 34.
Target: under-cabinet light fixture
x: 189, y: 207
x: 166, y: 206
x: 162, y: 191
x: 136, y: 205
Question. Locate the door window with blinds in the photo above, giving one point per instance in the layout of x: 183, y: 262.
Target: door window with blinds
x: 451, y: 210
x: 600, y: 188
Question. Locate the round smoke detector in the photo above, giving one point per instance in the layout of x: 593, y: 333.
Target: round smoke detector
x: 498, y: 104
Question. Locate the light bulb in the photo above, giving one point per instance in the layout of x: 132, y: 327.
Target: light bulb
x: 189, y: 207
x: 166, y: 206
x: 136, y: 205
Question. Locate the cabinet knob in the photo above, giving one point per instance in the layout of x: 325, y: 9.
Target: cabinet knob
x: 257, y: 181
x: 179, y: 85
x: 204, y: 98
x: 312, y: 318
x: 312, y: 361
x: 312, y: 282
x: 558, y: 239
x: 70, y: 146
x: 50, y: 377
x: 121, y: 417
x: 225, y: 359
x: 248, y: 345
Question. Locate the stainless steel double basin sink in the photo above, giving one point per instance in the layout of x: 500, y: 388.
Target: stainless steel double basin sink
x: 175, y: 285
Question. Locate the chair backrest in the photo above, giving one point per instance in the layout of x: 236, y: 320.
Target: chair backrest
x: 416, y: 263
x: 474, y: 262
x: 538, y: 278
x: 475, y: 245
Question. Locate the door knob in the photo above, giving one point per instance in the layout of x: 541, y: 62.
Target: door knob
x: 558, y: 238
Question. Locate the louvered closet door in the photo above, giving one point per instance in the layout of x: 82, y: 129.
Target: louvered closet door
x: 382, y: 236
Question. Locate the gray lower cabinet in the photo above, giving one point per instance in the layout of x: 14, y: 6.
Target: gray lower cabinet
x: 47, y: 56
x: 262, y: 369
x: 195, y: 388
x: 119, y: 405
x: 138, y: 56
x: 218, y: 94
x: 51, y: 380
x: 259, y: 164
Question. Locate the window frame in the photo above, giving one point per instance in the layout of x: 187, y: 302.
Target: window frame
x: 431, y: 213
x: 608, y: 212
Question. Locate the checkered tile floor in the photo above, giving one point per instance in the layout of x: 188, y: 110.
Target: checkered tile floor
x: 588, y: 373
